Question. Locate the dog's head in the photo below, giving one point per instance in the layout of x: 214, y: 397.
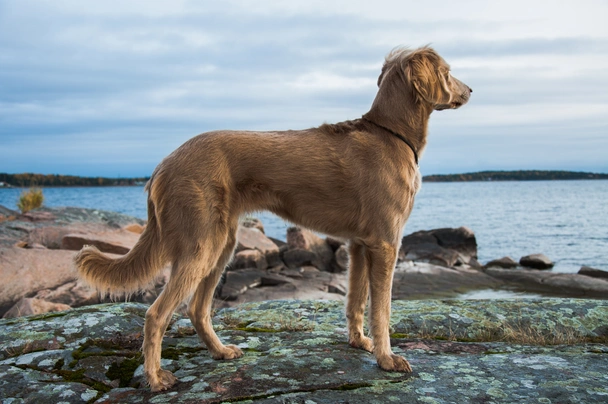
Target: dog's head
x: 429, y: 77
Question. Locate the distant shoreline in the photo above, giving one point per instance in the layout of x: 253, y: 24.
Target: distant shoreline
x: 27, y: 180
x: 522, y: 175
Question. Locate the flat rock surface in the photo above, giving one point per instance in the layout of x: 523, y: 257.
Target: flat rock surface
x: 22, y: 272
x: 296, y: 351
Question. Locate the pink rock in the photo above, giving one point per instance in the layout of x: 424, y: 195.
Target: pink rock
x: 135, y: 228
x: 254, y: 239
x: 31, y: 306
x: 25, y: 271
x: 113, y: 242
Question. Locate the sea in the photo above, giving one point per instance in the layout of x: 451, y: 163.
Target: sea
x: 565, y: 220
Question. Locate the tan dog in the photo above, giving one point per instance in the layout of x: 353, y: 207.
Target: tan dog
x: 355, y: 180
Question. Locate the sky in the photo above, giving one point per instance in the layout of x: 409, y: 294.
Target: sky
x: 108, y: 88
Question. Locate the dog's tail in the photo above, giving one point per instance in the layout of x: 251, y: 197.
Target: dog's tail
x: 131, y: 272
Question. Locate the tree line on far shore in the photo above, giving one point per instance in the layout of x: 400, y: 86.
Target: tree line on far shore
x: 528, y: 175
x: 55, y: 180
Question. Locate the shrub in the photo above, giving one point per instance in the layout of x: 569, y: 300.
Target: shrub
x: 30, y: 199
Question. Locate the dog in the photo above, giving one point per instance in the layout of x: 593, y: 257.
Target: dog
x: 355, y: 180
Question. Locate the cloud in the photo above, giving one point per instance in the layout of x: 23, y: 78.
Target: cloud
x: 96, y: 86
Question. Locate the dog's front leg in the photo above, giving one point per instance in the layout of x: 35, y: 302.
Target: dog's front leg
x: 358, y: 290
x: 383, y: 257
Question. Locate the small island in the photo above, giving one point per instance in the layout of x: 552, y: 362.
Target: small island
x: 522, y: 175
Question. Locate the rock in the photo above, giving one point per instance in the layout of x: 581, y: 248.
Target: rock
x: 254, y: 239
x: 420, y: 280
x: 51, y: 236
x: 334, y: 243
x: 272, y: 279
x: 238, y: 281
x: 74, y: 294
x: 278, y: 243
x: 298, y: 257
x: 30, y: 306
x: 558, y: 284
x: 113, y: 242
x: 430, y: 253
x: 23, y: 272
x: 4, y: 211
x: 7, y: 214
x: 446, y: 247
x: 504, y: 262
x: 593, y: 272
x: 135, y: 228
x: 38, y: 215
x: 303, y: 239
x: 536, y: 261
x: 249, y: 259
x: 97, y: 355
x: 336, y: 288
x: 340, y: 261
x: 253, y: 223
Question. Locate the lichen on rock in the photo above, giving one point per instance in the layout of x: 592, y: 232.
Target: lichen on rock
x: 297, y: 351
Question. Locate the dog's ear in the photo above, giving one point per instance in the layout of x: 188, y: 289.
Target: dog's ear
x: 421, y: 69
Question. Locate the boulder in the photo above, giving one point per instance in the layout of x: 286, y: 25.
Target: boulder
x: 24, y: 272
x: 298, y: 257
x: 430, y: 253
x: 305, y: 240
x: 253, y: 223
x: 254, y: 239
x: 249, y: 259
x: 536, y: 261
x: 340, y: 261
x: 448, y: 247
x: 593, y: 272
x: 113, y: 242
x: 504, y: 262
x: 30, y: 306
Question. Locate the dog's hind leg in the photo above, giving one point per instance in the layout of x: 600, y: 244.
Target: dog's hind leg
x: 199, y: 308
x: 358, y: 289
x: 383, y: 257
x: 187, y: 272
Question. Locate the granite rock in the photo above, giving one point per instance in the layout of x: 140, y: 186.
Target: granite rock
x: 297, y: 351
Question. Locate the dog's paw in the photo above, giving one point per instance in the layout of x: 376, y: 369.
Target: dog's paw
x: 228, y: 352
x: 162, y: 380
x: 394, y: 363
x: 364, y: 343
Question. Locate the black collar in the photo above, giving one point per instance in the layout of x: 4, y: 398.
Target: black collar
x: 401, y: 137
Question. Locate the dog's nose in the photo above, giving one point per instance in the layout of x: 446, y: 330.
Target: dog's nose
x: 470, y: 89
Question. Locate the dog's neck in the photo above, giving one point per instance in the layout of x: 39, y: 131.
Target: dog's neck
x: 401, y: 114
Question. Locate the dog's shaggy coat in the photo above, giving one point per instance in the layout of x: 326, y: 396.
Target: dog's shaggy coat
x: 355, y: 180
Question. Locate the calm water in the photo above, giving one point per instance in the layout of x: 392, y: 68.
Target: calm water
x: 565, y: 220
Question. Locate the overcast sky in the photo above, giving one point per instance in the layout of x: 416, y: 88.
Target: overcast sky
x: 108, y: 88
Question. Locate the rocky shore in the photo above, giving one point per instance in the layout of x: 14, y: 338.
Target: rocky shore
x: 36, y: 251
x: 58, y: 344
x: 547, y: 350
